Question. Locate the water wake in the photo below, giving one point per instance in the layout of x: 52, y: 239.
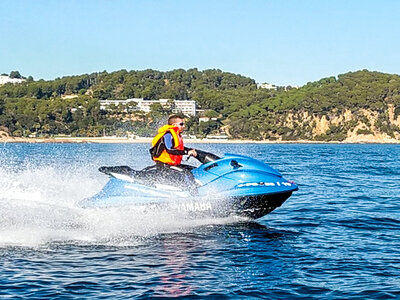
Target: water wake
x: 38, y: 205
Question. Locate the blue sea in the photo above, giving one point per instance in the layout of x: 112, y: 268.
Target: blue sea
x: 338, y: 237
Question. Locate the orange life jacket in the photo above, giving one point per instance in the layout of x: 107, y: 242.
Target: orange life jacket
x: 165, y: 157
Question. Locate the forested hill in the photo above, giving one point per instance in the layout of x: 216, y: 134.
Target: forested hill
x: 147, y: 84
x: 349, y: 106
x: 361, y: 103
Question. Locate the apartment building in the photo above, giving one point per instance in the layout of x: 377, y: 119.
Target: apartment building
x: 187, y: 107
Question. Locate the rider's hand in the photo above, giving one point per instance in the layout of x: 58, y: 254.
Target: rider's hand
x: 192, y: 152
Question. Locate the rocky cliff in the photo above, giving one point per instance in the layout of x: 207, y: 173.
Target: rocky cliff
x: 362, y: 125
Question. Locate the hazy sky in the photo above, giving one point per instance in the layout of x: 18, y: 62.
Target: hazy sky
x: 282, y: 42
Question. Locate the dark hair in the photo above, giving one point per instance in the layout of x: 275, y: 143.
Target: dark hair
x: 172, y: 119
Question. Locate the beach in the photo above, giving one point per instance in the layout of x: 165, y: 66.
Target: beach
x: 366, y: 139
x: 113, y: 140
x: 124, y: 140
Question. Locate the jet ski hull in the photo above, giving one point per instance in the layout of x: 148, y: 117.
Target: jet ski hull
x: 231, y: 186
x: 253, y: 207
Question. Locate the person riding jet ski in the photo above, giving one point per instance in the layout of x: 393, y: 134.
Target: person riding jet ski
x: 167, y: 152
x: 221, y: 186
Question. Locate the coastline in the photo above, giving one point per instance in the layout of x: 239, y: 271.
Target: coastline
x: 145, y: 140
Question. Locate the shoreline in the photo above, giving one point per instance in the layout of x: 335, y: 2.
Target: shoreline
x: 144, y: 140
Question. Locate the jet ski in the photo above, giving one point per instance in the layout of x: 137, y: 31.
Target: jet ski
x: 232, y: 185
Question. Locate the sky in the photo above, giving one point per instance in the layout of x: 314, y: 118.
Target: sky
x: 283, y: 42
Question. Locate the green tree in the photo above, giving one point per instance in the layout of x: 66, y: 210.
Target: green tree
x: 15, y: 74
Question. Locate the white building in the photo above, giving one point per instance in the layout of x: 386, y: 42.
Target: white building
x: 206, y: 119
x: 6, y: 79
x: 107, y: 102
x: 267, y: 86
x: 187, y: 107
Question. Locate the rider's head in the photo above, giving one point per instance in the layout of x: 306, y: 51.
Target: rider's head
x: 177, y: 121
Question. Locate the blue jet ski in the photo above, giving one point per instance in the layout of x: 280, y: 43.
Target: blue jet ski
x: 232, y: 185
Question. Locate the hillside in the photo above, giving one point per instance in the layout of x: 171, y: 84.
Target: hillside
x: 356, y: 106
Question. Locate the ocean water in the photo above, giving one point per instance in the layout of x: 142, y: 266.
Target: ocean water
x: 337, y: 237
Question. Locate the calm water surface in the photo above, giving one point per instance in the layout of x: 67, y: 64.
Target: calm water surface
x: 337, y: 237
